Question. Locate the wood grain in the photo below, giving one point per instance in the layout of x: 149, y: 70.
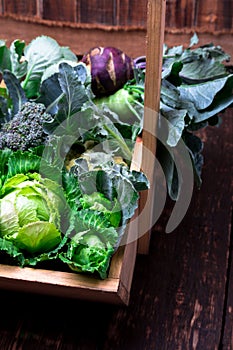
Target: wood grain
x: 209, y: 16
x: 154, y: 58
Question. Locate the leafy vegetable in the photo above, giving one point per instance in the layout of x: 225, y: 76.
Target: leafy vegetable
x: 65, y: 92
x: 127, y: 103
x: 28, y: 62
x: 18, y: 63
x: 102, y: 197
x: 114, y: 181
x: 65, y: 161
x: 30, y: 212
x: 88, y: 254
x: 196, y: 88
x: 25, y: 129
x: 15, y: 95
x: 41, y: 52
x: 4, y: 56
x: 67, y: 133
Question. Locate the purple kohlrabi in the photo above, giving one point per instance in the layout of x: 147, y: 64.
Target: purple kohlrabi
x: 110, y: 69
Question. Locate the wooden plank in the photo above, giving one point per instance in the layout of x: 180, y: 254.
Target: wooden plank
x: 180, y: 14
x: 1, y: 8
x: 97, y: 12
x: 59, y: 10
x: 57, y: 283
x: 206, y: 18
x: 132, y: 13
x: 227, y: 329
x: 115, y: 289
x: 154, y: 52
x: 20, y: 7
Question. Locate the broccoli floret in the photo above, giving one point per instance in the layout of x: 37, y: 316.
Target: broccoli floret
x: 25, y: 129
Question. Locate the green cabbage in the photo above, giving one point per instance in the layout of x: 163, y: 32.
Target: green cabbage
x: 88, y: 253
x: 30, y: 212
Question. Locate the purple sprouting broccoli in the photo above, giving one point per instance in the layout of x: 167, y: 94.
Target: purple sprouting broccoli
x: 25, y: 129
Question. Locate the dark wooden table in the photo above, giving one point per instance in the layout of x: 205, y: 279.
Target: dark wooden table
x: 182, y: 291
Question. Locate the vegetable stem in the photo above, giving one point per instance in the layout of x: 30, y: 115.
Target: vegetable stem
x: 120, y: 141
x: 27, y: 78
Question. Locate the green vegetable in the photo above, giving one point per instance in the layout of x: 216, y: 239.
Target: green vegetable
x: 196, y: 88
x: 98, y: 202
x: 28, y: 62
x: 81, y: 221
x: 13, y: 97
x: 39, y: 54
x: 25, y: 129
x: 30, y: 212
x: 88, y: 254
x: 64, y: 93
x: 102, y: 198
x: 95, y: 238
x: 126, y: 102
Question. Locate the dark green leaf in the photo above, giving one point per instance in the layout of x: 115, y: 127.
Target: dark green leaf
x: 5, y: 58
x: 16, y: 92
x: 75, y: 94
x: 23, y: 162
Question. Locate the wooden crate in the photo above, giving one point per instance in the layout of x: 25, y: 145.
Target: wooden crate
x: 116, y: 288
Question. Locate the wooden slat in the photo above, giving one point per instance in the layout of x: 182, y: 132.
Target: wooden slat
x: 1, y: 8
x: 132, y: 13
x: 154, y: 52
x: 227, y: 328
x: 97, y: 12
x: 115, y: 289
x: 59, y: 11
x: 20, y: 7
x: 180, y: 13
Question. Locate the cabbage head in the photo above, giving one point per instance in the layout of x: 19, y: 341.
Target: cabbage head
x: 30, y: 212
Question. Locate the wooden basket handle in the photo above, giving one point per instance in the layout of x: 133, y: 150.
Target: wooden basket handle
x: 154, y: 55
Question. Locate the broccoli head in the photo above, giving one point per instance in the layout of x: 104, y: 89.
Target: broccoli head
x: 25, y: 129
